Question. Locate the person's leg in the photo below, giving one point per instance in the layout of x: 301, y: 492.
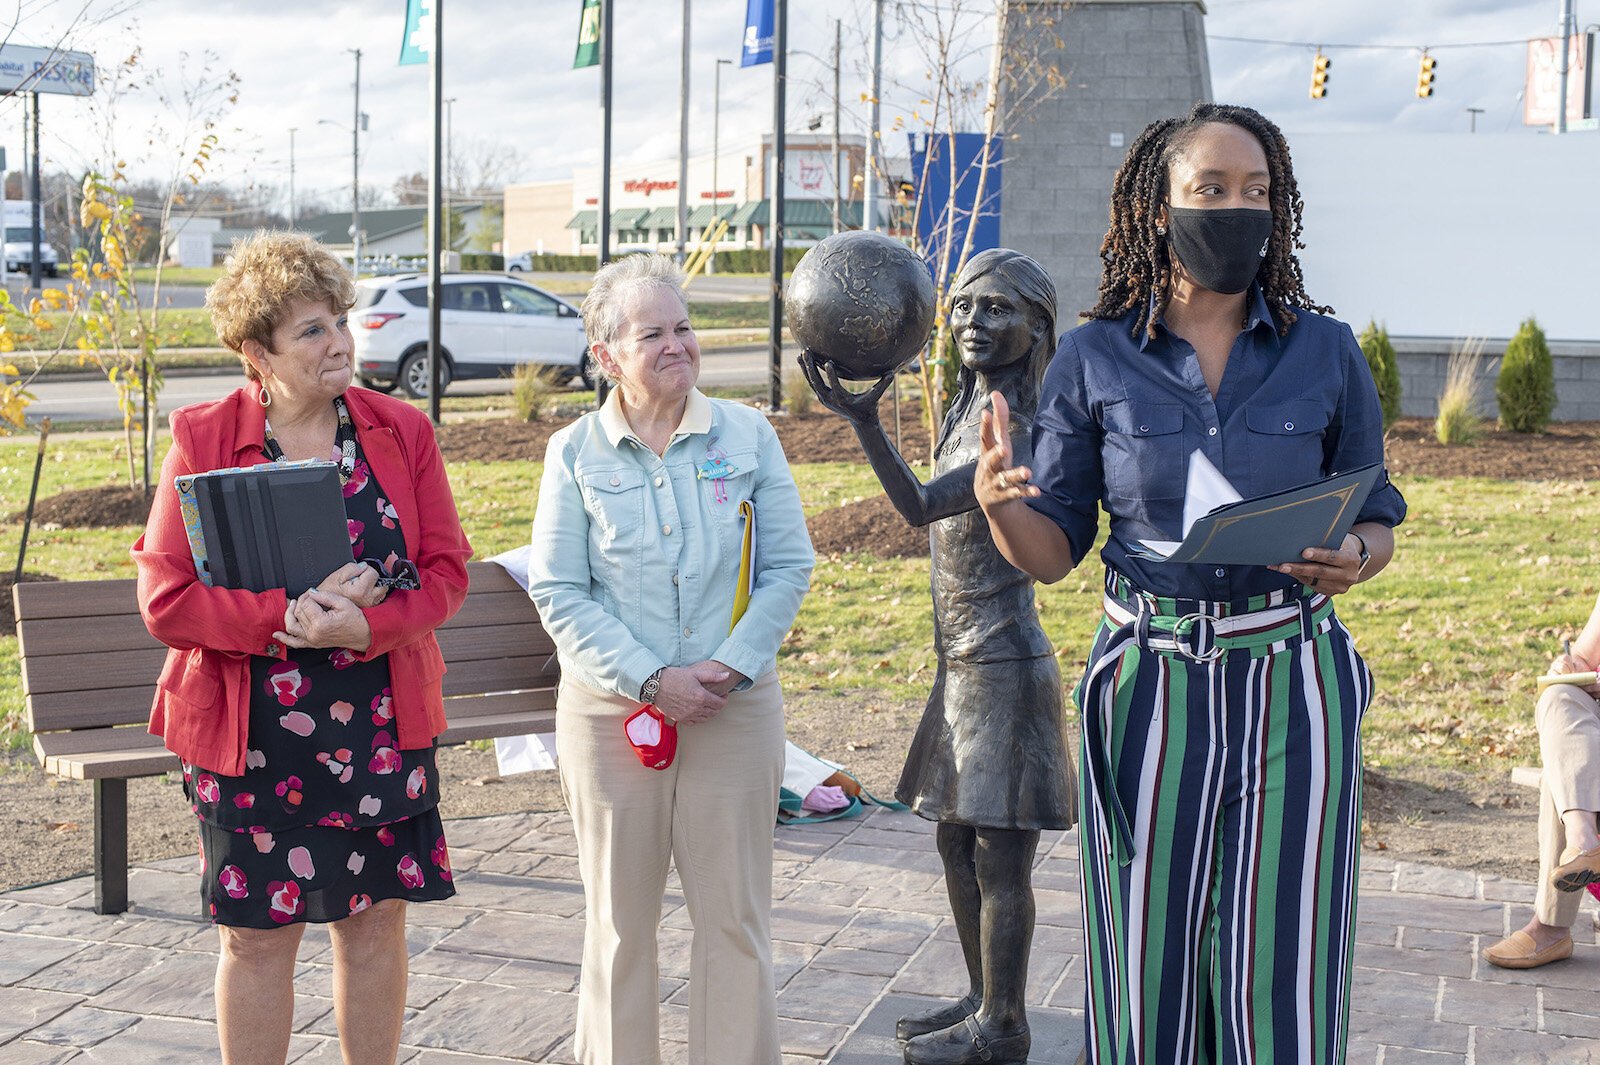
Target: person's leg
x: 1155, y: 722
x: 1284, y: 894
x: 622, y: 818
x: 369, y: 982
x: 255, y: 993
x: 724, y: 813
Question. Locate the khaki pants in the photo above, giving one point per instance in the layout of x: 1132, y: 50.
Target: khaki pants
x: 711, y: 814
x: 1569, y: 744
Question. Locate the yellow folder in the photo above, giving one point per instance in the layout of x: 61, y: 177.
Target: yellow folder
x: 747, y: 573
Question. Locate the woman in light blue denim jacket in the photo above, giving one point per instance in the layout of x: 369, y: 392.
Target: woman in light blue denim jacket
x: 636, y: 554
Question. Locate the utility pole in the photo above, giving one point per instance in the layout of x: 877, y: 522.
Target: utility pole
x: 449, y: 166
x: 435, y: 211
x: 355, y: 170
x: 838, y: 171
x: 1474, y: 112
x: 683, y: 142
x: 291, y: 176
x: 869, y: 211
x: 36, y: 274
x: 1563, y: 63
x: 603, y: 249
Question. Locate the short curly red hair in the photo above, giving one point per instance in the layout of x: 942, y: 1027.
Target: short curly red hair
x: 261, y: 276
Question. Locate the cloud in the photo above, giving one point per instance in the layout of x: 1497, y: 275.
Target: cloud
x: 508, y: 65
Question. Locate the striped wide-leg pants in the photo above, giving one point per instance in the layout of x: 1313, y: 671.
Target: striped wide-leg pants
x: 1221, y: 808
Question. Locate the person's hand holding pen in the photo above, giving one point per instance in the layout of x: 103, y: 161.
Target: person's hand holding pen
x: 1568, y: 664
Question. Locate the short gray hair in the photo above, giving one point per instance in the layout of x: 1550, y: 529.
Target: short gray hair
x: 620, y: 281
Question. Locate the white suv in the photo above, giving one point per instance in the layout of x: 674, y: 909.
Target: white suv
x: 489, y: 325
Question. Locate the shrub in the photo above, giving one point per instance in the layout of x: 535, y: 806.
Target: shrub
x: 754, y: 260
x: 533, y: 391
x: 1385, y: 369
x: 1526, y: 387
x: 797, y: 394
x: 1459, y: 421
x: 482, y: 260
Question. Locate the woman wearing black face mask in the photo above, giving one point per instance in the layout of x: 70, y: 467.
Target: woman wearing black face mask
x: 1221, y: 762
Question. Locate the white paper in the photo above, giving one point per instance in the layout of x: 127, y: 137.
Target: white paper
x: 525, y: 754
x: 643, y: 730
x: 1206, y: 490
x: 803, y: 770
x: 515, y: 562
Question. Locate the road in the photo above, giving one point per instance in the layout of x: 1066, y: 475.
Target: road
x: 65, y: 402
x: 171, y: 295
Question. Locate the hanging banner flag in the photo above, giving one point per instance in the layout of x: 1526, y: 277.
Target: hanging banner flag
x: 757, y: 33
x: 588, y: 36
x: 417, y: 41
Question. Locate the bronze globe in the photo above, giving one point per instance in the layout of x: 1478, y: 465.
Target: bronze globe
x: 863, y: 302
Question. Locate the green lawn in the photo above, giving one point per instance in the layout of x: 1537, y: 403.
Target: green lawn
x: 178, y: 275
x: 1489, y: 576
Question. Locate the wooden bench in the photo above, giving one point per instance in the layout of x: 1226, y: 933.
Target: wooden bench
x: 89, y: 669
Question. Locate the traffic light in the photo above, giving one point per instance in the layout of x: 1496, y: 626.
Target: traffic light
x: 1425, y: 75
x: 1319, y: 76
x: 905, y: 192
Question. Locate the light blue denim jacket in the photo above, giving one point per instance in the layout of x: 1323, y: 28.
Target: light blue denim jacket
x: 636, y: 557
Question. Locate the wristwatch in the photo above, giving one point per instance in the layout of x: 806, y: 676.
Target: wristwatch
x: 1366, y: 556
x: 652, y: 685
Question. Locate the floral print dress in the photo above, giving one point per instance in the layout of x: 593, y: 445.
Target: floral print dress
x: 330, y: 815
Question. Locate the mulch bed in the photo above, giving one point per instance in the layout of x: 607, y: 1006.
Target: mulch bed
x: 91, y: 508
x: 1568, y: 451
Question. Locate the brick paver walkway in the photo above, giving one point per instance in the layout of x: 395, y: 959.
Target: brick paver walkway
x: 861, y: 932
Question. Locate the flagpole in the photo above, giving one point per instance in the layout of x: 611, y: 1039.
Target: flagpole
x: 436, y: 214
x: 603, y: 250
x: 780, y: 57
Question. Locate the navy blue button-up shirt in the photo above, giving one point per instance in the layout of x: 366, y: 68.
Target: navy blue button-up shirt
x: 1120, y: 415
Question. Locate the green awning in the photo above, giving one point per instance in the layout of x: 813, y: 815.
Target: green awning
x: 701, y: 216
x: 660, y: 218
x: 753, y: 213
x: 628, y: 217
x: 584, y: 220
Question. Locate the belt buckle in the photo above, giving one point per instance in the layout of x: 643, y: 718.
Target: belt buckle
x: 1190, y: 622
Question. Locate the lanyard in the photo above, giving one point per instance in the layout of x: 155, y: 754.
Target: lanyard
x: 345, y: 438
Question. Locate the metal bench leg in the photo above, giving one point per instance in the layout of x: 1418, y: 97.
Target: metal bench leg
x: 110, y: 846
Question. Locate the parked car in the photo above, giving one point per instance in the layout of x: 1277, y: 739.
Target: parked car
x: 489, y: 325
x: 518, y: 263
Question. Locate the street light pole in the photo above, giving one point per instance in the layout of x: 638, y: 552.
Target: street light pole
x: 291, y: 176
x: 869, y: 206
x: 1474, y: 112
x: 355, y: 172
x: 683, y: 142
x: 838, y: 175
x: 1564, y: 63
x: 716, y: 153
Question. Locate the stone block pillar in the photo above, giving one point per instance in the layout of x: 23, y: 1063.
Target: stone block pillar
x: 1126, y: 63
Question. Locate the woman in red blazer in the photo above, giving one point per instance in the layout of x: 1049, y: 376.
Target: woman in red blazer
x: 307, y: 727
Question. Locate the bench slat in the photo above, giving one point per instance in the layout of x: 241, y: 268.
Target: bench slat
x: 44, y: 675
x: 107, y: 765
x: 51, y: 711
x: 492, y: 726
x: 44, y: 637
x: 78, y: 599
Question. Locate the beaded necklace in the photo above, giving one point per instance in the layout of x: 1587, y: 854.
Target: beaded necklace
x: 345, y: 438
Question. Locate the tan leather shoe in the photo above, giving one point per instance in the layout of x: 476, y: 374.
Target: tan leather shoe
x: 1518, y: 951
x: 1578, y: 869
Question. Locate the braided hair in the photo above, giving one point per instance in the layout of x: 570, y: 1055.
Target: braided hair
x: 1139, y: 265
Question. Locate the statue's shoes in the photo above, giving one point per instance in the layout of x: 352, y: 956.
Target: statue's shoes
x: 970, y: 1042
x: 936, y: 1019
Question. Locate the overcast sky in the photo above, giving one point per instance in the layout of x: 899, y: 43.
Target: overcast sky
x: 508, y: 64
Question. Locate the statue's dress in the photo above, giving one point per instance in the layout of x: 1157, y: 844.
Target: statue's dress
x: 991, y: 749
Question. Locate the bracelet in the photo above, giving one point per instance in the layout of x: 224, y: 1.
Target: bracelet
x: 651, y: 686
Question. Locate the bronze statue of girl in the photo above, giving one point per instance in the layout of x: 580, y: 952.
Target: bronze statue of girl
x: 989, y: 761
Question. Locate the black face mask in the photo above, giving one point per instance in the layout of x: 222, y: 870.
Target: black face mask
x: 1222, y: 248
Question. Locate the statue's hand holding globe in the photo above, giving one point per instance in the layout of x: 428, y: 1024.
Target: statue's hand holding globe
x: 861, y: 306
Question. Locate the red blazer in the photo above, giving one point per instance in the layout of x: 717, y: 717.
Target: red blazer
x: 202, y: 703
